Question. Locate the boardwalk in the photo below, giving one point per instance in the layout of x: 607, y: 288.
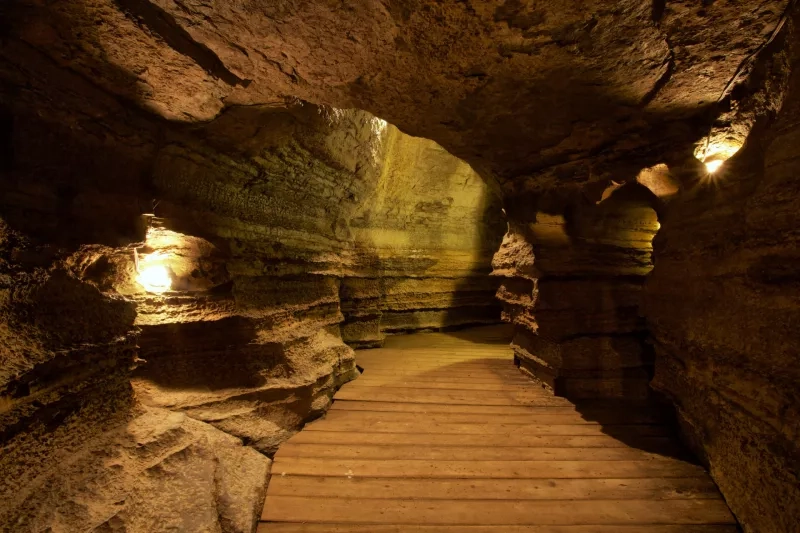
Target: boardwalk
x: 442, y: 434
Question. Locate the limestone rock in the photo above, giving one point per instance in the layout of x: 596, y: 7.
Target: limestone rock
x: 572, y: 283
x: 257, y: 134
x: 722, y: 304
x: 510, y: 87
x: 161, y: 471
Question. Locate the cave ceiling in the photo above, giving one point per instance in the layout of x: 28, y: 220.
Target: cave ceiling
x: 513, y: 87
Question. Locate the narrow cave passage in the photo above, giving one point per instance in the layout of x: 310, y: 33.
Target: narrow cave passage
x: 559, y: 238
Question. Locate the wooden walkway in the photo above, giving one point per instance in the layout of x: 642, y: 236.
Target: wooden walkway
x: 442, y: 434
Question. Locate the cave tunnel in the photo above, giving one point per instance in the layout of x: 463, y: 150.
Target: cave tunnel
x: 399, y: 266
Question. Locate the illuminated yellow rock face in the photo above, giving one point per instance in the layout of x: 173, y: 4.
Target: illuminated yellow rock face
x: 328, y: 224
x: 423, y: 237
x: 716, y: 150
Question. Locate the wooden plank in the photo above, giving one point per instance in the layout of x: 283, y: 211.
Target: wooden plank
x: 454, y: 351
x: 496, y: 440
x: 510, y: 390
x: 437, y: 358
x: 399, y: 407
x: 495, y: 489
x: 408, y: 362
x: 412, y: 468
x: 369, y: 381
x: 368, y: 418
x: 463, y: 453
x: 509, y: 370
x: 607, y: 416
x: 510, y: 374
x: 423, y: 378
x: 445, y: 435
x: 532, y: 397
x: 327, y: 527
x: 422, y: 426
x: 522, y: 390
x: 450, y: 512
x: 436, y: 353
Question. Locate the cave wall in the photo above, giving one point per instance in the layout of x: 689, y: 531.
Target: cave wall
x: 423, y: 242
x: 109, y: 105
x: 722, y: 305
x: 307, y: 207
x: 573, y: 265
x: 266, y: 217
x: 79, y: 449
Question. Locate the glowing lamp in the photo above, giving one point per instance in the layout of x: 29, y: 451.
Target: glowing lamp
x: 716, y: 150
x: 713, y: 166
x: 152, y: 272
x: 155, y: 278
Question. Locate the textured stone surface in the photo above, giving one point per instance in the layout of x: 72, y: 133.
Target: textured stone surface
x: 423, y: 241
x: 722, y: 304
x: 304, y: 219
x: 261, y: 216
x: 516, y: 86
x: 573, y: 268
x: 159, y: 471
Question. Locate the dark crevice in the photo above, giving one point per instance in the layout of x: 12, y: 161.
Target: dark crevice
x: 658, y: 9
x: 6, y: 140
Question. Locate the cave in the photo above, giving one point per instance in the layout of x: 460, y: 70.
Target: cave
x: 399, y: 266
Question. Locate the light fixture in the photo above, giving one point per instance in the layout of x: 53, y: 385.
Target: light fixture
x: 155, y: 278
x: 713, y: 166
x: 713, y: 152
x: 152, y: 272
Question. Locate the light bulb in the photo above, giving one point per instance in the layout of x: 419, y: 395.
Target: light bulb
x: 155, y: 278
x: 713, y: 166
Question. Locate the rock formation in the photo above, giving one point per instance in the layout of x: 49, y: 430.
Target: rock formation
x: 573, y: 274
x: 722, y: 305
x: 242, y: 148
x: 423, y: 241
x: 273, y: 227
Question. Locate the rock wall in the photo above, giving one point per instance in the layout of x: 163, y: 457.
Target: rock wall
x: 573, y: 266
x: 722, y: 304
x: 316, y: 207
x: 264, y: 220
x: 188, y: 112
x: 79, y: 452
x: 423, y: 241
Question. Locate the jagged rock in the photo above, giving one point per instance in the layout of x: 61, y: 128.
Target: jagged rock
x: 515, y: 86
x: 572, y: 283
x: 294, y: 216
x: 159, y: 471
x: 722, y: 305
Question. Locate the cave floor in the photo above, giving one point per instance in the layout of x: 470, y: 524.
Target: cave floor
x: 442, y: 433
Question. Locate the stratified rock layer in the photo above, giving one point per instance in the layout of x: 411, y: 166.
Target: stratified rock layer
x: 262, y: 218
x: 114, y: 108
x: 723, y: 306
x: 572, y: 270
x: 423, y: 241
